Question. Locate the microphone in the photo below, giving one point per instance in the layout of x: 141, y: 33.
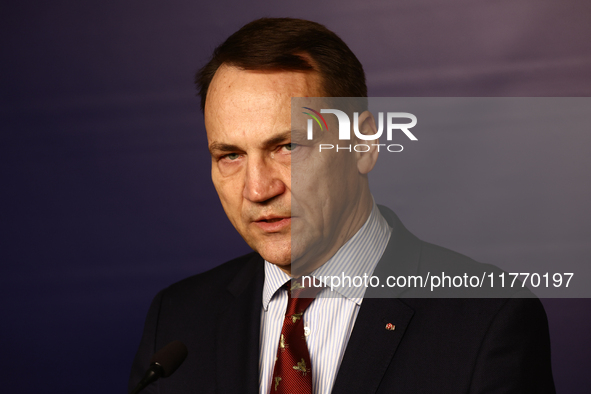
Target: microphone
x: 163, y: 364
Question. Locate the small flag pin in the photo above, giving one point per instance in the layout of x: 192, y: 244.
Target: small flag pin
x: 390, y: 327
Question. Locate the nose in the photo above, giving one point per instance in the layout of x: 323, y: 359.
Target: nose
x: 263, y: 180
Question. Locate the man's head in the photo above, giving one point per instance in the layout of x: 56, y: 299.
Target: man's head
x: 274, y: 44
x: 246, y: 92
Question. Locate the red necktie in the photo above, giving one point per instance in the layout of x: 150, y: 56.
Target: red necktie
x: 293, y: 370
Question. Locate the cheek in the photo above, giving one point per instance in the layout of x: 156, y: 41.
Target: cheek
x: 316, y: 173
x: 322, y: 189
x: 230, y: 194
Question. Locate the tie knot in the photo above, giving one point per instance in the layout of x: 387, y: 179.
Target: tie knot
x: 300, y: 297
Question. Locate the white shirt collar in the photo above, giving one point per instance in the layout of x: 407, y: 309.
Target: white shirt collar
x: 357, y: 257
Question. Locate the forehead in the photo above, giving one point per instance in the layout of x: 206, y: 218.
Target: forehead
x: 238, y: 99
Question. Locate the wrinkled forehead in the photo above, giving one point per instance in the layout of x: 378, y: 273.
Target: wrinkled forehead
x: 237, y: 85
x: 239, y: 97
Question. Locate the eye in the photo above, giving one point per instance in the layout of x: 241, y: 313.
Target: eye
x: 231, y: 156
x: 290, y: 147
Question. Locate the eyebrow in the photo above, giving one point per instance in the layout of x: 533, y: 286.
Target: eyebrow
x: 270, y: 142
x: 277, y: 139
x: 221, y: 147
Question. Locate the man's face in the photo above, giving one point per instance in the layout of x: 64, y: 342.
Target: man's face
x: 249, y: 131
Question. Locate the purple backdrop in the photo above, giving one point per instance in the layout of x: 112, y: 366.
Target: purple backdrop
x: 106, y: 193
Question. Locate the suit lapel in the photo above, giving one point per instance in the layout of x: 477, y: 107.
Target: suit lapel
x: 238, y: 332
x: 372, y: 346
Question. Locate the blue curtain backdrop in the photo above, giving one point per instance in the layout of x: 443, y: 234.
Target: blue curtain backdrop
x: 106, y: 192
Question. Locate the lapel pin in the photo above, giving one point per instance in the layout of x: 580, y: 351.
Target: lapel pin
x: 390, y: 327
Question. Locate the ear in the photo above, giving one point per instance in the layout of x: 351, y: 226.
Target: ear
x: 367, y: 160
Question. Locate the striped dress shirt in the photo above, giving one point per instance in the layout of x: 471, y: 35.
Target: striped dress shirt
x: 329, y: 320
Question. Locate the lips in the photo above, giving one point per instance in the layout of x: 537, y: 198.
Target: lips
x: 272, y: 218
x: 273, y: 224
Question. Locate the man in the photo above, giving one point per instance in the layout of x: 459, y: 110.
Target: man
x: 312, y: 212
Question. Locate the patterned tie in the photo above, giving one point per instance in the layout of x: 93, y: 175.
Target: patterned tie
x: 292, y: 373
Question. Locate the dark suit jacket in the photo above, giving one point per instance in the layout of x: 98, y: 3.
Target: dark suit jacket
x: 449, y: 345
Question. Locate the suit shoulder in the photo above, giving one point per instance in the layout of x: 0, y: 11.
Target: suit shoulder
x: 465, y: 276
x: 437, y: 257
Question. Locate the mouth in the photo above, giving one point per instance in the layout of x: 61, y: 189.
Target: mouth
x: 273, y: 224
x: 272, y: 220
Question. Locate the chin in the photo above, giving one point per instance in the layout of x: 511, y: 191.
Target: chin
x: 302, y: 244
x: 276, y: 253
x: 277, y: 258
